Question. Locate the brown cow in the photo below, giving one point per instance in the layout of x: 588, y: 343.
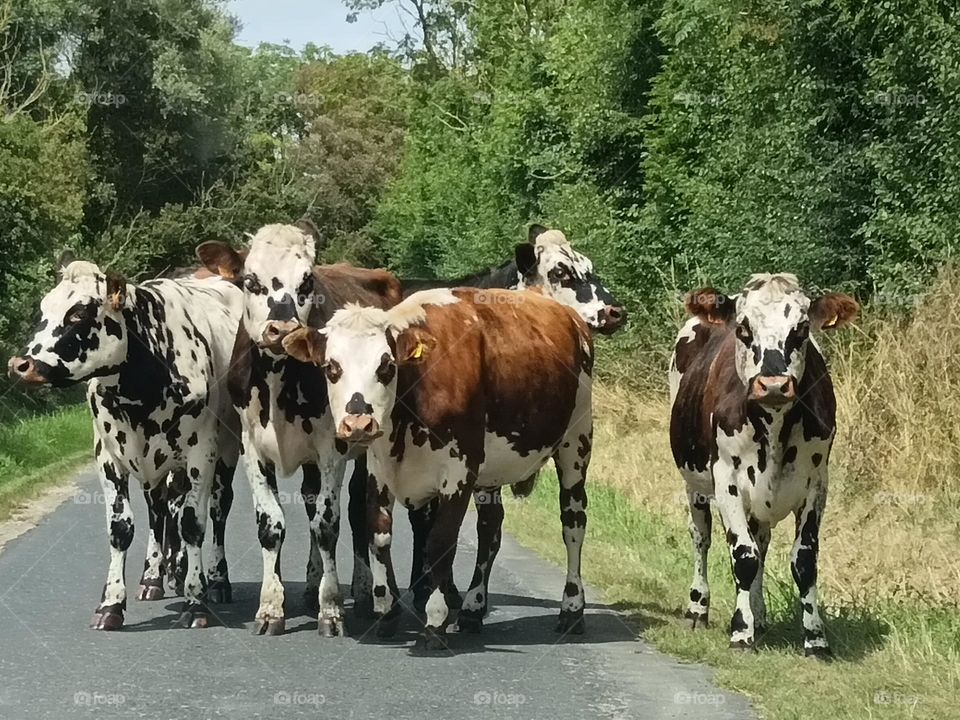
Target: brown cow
x: 452, y: 391
x: 753, y: 420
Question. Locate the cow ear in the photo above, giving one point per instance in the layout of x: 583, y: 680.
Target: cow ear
x: 533, y: 232
x: 116, y: 290
x: 66, y: 257
x: 710, y: 305
x: 307, y: 345
x: 526, y: 259
x: 310, y: 228
x: 833, y: 311
x: 413, y: 345
x: 220, y: 259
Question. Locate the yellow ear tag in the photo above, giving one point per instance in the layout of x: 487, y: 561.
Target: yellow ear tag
x: 833, y: 321
x: 418, y: 351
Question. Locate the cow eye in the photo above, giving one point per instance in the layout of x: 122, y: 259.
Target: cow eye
x: 333, y: 370
x: 743, y: 333
x: 306, y: 287
x: 386, y: 369
x: 76, y: 314
x: 251, y: 283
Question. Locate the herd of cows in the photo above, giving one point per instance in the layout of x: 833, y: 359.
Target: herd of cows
x: 433, y: 392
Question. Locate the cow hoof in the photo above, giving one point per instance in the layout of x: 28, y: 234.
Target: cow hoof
x: 470, y: 621
x: 824, y: 654
x: 193, y: 616
x: 453, y: 598
x: 363, y: 608
x: 108, y: 620
x: 219, y: 592
x: 743, y: 645
x: 388, y: 624
x: 265, y: 626
x: 432, y: 640
x: 150, y: 592
x: 311, y: 598
x: 570, y: 622
x: 697, y: 620
x: 329, y: 627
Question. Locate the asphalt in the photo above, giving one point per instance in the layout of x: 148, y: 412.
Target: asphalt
x: 53, y: 666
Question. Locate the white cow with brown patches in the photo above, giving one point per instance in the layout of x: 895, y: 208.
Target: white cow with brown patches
x: 753, y: 419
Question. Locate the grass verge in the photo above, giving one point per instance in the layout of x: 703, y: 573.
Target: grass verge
x: 898, y: 654
x: 37, y: 452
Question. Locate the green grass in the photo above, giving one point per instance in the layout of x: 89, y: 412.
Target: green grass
x: 893, y: 660
x: 38, y: 452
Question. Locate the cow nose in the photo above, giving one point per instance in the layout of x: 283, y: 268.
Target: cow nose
x: 774, y: 389
x: 275, y: 331
x: 612, y: 317
x: 22, y: 368
x: 358, y: 428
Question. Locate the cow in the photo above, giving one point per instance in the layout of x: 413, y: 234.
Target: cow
x: 451, y: 392
x: 548, y: 263
x: 752, y: 422
x: 154, y: 356
x: 286, y: 419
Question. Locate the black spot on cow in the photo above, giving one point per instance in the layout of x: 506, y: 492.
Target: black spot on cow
x: 380, y: 591
x: 736, y: 462
x: 790, y: 455
x: 192, y: 440
x: 112, y: 327
x: 571, y: 589
x: 737, y: 623
x: 357, y: 405
x: 733, y: 490
x: 160, y: 457
x: 190, y: 529
x: 817, y: 459
x: 751, y: 473
x: 695, y: 595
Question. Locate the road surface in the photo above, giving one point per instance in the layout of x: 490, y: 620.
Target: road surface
x: 53, y: 666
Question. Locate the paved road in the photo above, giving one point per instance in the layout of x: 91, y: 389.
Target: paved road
x: 52, y: 666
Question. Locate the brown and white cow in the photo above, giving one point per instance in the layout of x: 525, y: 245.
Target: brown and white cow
x: 752, y: 423
x: 286, y: 418
x: 452, y: 391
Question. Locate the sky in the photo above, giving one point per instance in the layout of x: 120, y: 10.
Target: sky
x: 322, y: 22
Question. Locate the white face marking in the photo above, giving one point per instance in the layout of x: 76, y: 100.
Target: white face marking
x: 82, y: 335
x: 278, y: 279
x: 772, y: 328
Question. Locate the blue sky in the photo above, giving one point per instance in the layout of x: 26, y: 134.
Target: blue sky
x: 319, y: 21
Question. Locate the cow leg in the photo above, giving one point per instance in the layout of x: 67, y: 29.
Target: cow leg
x: 761, y: 534
x: 803, y: 562
x: 386, y: 594
x: 271, y: 531
x: 114, y: 482
x: 744, y: 553
x: 439, y: 554
x: 151, y: 581
x: 174, y: 553
x: 361, y: 585
x: 572, y: 459
x: 700, y: 525
x: 219, y: 589
x: 325, y: 527
x: 489, y: 506
x: 421, y: 520
x: 310, y: 491
x: 201, y: 466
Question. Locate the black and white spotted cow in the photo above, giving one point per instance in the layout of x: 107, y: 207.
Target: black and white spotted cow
x: 155, y: 358
x: 452, y: 392
x: 287, y: 424
x: 548, y: 263
x: 753, y: 419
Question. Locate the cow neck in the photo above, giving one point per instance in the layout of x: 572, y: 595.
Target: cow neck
x: 150, y: 365
x: 505, y: 276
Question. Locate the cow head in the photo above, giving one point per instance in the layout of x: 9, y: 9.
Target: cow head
x: 277, y: 276
x: 81, y: 334
x: 772, y: 319
x: 548, y: 261
x: 360, y: 350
